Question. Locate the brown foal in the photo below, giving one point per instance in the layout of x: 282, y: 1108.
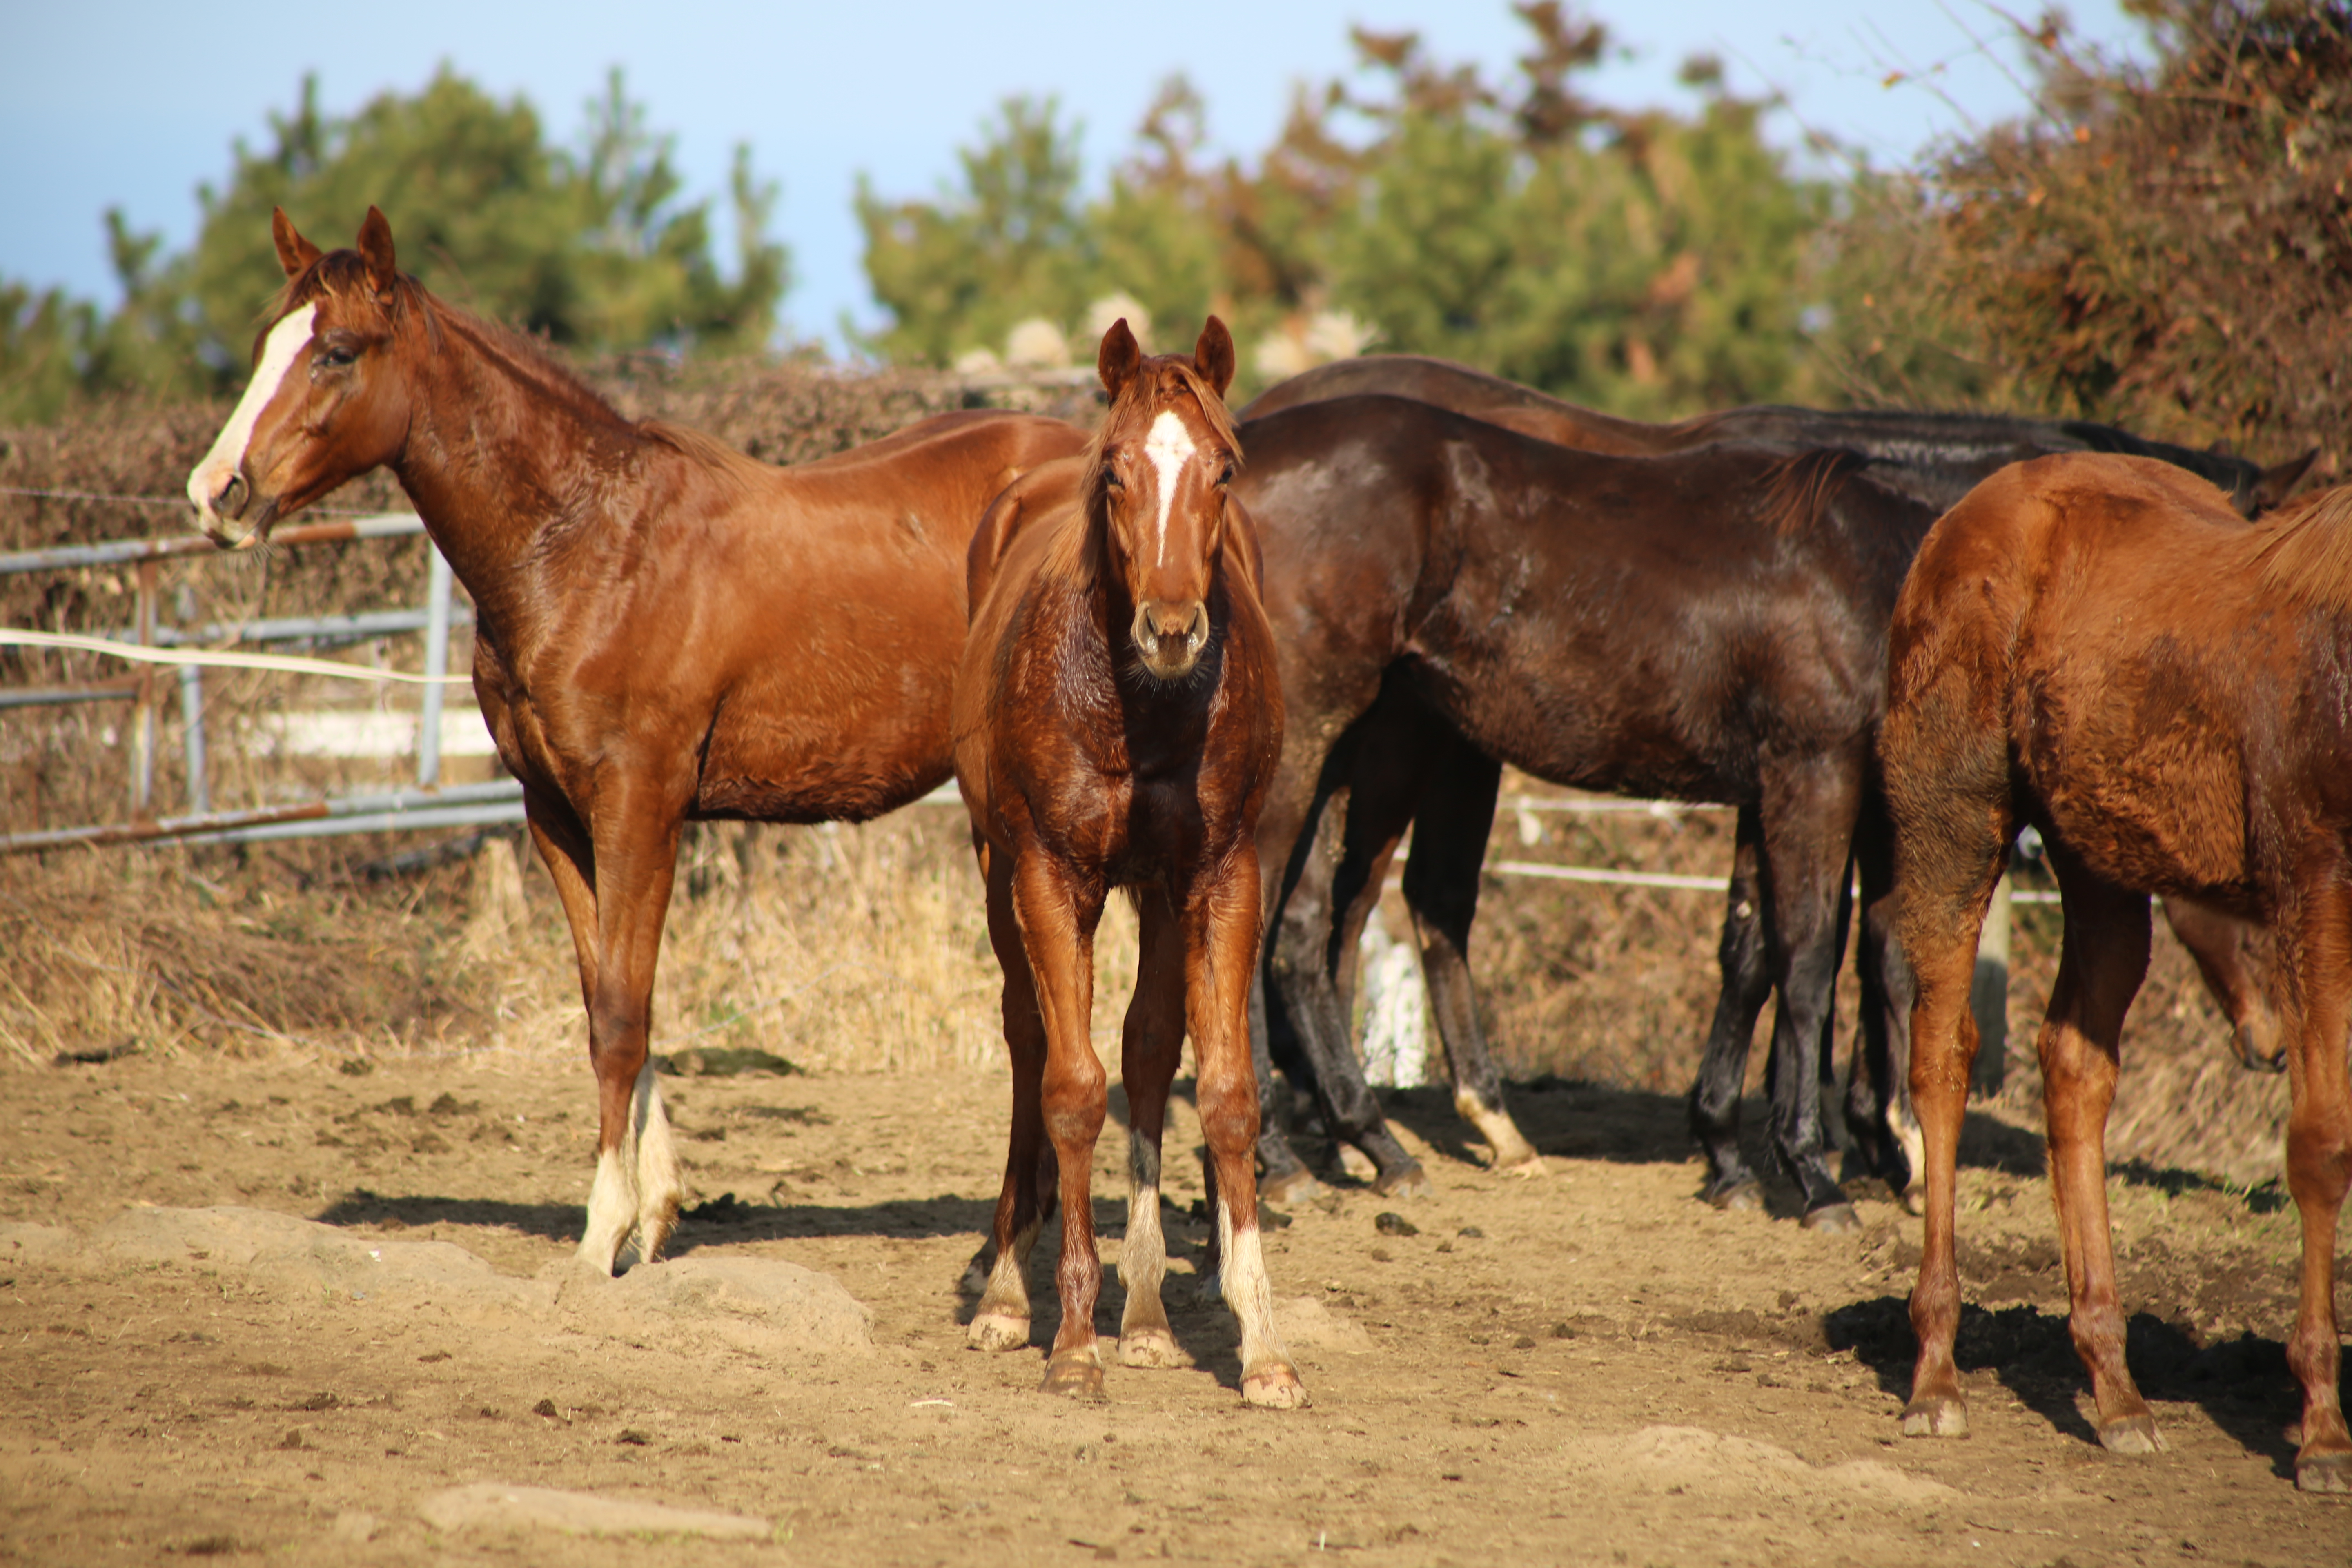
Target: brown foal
x: 2098, y: 646
x: 664, y: 630
x: 1118, y: 719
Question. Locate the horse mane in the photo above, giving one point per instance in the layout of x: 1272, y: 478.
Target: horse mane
x: 1798, y: 488
x: 1074, y: 554
x: 343, y: 272
x: 2308, y: 549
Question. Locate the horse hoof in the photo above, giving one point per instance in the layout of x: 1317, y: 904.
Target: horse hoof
x: 1289, y: 1187
x: 1357, y: 1166
x: 1150, y: 1348
x: 1074, y: 1374
x: 1739, y: 1196
x: 2132, y: 1434
x: 1935, y: 1416
x: 1407, y: 1181
x: 2324, y: 1473
x: 1274, y: 1386
x: 1832, y: 1219
x: 1914, y: 1199
x: 1527, y: 1169
x: 998, y: 1331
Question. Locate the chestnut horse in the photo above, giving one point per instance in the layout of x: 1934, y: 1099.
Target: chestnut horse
x: 1118, y: 719
x: 664, y: 630
x: 1403, y: 765
x: 2095, y: 645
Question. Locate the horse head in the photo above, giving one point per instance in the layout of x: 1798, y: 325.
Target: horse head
x: 325, y: 403
x: 1164, y: 460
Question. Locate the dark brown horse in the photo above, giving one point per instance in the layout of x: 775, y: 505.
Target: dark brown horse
x: 664, y: 630
x: 2095, y: 645
x: 1401, y: 767
x: 1118, y: 719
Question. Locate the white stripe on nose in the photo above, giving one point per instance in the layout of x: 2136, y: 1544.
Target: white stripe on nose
x: 1170, y: 447
x: 286, y: 340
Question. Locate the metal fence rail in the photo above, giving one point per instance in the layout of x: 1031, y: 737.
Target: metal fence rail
x: 194, y: 647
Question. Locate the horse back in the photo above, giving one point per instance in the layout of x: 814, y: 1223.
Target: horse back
x: 2099, y: 627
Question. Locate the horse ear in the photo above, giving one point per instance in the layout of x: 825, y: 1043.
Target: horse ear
x: 1212, y: 356
x: 1120, y: 354
x: 2278, y: 481
x: 294, y: 253
x: 375, y: 249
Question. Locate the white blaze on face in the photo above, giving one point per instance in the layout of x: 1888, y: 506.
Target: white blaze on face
x: 1170, y: 447
x: 286, y: 340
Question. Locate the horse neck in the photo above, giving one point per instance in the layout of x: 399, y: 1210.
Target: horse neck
x: 496, y: 458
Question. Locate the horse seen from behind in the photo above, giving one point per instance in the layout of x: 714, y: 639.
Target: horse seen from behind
x: 2098, y: 646
x: 1118, y: 722
x: 664, y: 629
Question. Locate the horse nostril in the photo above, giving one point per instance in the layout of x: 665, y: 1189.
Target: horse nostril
x: 231, y: 502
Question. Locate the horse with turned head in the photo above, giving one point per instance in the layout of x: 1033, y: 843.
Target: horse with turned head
x: 664, y: 630
x: 1118, y: 719
x: 1403, y: 763
x: 2097, y: 646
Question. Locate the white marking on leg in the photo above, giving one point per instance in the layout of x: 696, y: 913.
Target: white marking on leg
x: 286, y: 343
x: 1002, y: 1321
x: 661, y: 1186
x: 1170, y: 447
x: 1241, y: 1277
x: 612, y: 1209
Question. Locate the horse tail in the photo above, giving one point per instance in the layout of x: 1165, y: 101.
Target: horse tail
x: 1798, y: 490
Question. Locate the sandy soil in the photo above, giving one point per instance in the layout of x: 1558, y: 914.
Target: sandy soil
x: 1588, y: 1367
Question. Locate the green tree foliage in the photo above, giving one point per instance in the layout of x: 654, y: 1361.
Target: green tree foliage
x: 1648, y: 262
x: 590, y: 246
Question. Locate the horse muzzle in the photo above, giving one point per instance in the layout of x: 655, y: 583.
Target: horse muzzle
x: 221, y: 513
x: 1169, y: 635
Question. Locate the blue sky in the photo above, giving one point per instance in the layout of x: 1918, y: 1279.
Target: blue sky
x: 134, y: 103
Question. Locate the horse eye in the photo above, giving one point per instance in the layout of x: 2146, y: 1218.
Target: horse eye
x: 1227, y: 477
x: 1112, y: 482
x: 336, y: 357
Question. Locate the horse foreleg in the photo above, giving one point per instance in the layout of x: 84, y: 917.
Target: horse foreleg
x: 1746, y: 968
x: 2102, y: 959
x: 1001, y: 1320
x: 638, y: 1184
x: 1808, y: 812
x: 1300, y: 968
x: 1441, y: 887
x: 1152, y: 1043
x: 1221, y: 950
x: 1057, y: 924
x: 2319, y: 1171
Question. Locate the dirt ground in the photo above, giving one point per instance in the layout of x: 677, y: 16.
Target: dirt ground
x: 1588, y: 1367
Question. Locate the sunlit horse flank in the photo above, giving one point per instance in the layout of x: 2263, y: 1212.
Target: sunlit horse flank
x: 2096, y: 646
x: 1405, y: 763
x: 1117, y: 718
x: 664, y: 630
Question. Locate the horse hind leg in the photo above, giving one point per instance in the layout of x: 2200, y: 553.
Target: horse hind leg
x: 2102, y: 959
x: 660, y: 1177
x: 2319, y: 1174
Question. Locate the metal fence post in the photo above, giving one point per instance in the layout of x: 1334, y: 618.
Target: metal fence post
x: 142, y: 722
x: 436, y: 665
x: 1988, y: 995
x: 191, y: 722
